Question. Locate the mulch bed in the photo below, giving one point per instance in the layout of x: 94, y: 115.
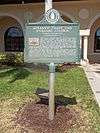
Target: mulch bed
x: 35, y: 117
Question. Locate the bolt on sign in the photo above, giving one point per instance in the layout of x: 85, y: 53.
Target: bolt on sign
x: 52, y: 40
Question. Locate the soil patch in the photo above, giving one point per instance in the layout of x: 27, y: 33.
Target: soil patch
x: 35, y: 117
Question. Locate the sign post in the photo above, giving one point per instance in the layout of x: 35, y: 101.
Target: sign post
x: 48, y: 5
x: 51, y: 91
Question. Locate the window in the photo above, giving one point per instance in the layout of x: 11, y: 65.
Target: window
x: 14, y: 39
x: 97, y: 41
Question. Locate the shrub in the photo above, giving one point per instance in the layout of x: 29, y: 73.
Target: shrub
x: 2, y: 58
x: 65, y: 66
x: 11, y: 58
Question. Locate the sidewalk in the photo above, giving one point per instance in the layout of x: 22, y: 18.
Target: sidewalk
x: 93, y: 75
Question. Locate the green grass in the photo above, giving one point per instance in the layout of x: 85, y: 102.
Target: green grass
x: 18, y: 86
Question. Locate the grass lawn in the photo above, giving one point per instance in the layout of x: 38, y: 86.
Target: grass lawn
x: 18, y: 86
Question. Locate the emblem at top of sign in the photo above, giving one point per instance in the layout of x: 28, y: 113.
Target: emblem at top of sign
x: 52, y: 16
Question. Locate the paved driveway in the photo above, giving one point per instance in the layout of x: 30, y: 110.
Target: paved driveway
x: 93, y: 75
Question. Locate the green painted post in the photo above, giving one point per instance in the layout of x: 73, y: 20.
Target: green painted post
x: 51, y: 91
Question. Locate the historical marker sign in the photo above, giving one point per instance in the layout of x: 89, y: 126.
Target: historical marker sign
x: 52, y: 40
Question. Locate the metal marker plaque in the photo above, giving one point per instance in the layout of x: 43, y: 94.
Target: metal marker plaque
x: 52, y: 40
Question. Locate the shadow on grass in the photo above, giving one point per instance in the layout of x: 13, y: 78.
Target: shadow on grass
x: 21, y: 73
x: 16, y: 73
x: 8, y: 72
x: 60, y: 100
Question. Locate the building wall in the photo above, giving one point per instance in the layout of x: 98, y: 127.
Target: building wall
x: 84, y: 12
x: 5, y: 23
x: 93, y: 56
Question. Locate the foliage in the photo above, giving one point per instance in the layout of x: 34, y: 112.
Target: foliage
x: 65, y: 66
x: 2, y: 58
x: 11, y: 58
